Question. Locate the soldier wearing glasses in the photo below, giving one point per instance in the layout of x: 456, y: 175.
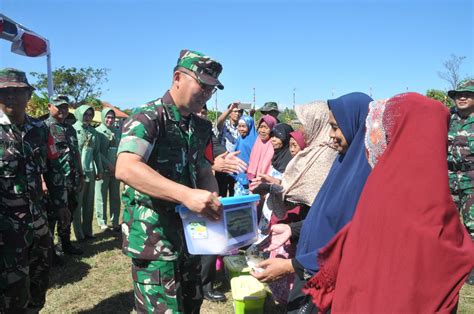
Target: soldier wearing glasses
x: 28, y: 165
x: 164, y: 158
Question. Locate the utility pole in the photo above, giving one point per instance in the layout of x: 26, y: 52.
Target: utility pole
x: 254, y: 98
x: 217, y: 112
x: 294, y: 98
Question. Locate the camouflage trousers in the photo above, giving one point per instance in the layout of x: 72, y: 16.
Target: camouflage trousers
x: 64, y: 226
x: 167, y: 286
x: 462, y: 190
x: 25, y: 260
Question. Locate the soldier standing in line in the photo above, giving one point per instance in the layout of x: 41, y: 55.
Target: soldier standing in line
x: 164, y: 160
x: 461, y: 151
x: 109, y: 137
x: 89, y: 148
x: 461, y: 154
x: 27, y: 163
x: 66, y: 146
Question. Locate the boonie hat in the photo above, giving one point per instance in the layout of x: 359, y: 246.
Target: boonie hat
x: 10, y: 77
x: 269, y: 106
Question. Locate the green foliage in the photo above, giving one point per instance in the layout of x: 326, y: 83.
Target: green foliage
x: 128, y: 111
x: 37, y: 105
x: 256, y: 117
x: 79, y: 84
x: 287, y: 116
x: 94, y: 103
x: 440, y: 96
x: 212, y: 115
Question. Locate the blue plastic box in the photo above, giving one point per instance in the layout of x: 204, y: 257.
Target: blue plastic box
x: 236, y: 228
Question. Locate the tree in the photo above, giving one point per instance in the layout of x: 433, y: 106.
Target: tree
x: 79, y: 84
x: 451, y: 75
x: 440, y: 96
x: 287, y: 116
x: 94, y: 103
x: 212, y: 115
x: 37, y: 105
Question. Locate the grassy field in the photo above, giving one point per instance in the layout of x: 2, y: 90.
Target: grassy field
x: 100, y: 282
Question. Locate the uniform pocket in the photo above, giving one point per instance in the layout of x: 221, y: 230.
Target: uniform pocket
x: 154, y: 272
x: 8, y: 167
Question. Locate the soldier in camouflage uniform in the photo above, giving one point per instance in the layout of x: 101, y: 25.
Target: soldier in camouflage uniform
x: 164, y: 160
x: 109, y: 137
x: 66, y: 147
x: 25, y: 161
x: 461, y: 151
x: 89, y: 148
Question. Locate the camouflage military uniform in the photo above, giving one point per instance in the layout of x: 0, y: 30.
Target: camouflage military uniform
x: 165, y: 276
x: 461, y: 166
x: 25, y: 240
x: 65, y: 146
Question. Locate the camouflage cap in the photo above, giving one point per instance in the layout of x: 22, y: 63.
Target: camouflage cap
x: 10, y: 77
x: 269, y: 106
x: 58, y: 100
x: 206, y: 69
x: 464, y: 86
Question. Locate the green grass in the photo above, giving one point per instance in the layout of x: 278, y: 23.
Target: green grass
x: 100, y: 282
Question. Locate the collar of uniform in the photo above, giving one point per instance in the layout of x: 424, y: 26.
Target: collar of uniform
x: 52, y: 119
x: 170, y: 108
x: 457, y: 116
x: 28, y: 124
x: 4, y: 120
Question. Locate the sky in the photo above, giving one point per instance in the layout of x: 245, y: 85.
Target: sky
x: 286, y: 50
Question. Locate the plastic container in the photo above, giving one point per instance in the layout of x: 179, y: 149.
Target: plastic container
x: 248, y: 294
x: 235, y: 265
x: 236, y: 228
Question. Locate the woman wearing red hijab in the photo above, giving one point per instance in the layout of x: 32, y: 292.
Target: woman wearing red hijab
x: 405, y: 250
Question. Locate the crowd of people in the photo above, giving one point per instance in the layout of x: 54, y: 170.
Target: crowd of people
x: 356, y: 196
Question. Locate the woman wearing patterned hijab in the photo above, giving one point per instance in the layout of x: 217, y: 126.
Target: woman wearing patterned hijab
x: 405, y: 250
x: 301, y: 181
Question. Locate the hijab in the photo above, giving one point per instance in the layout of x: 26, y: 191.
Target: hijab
x: 282, y: 156
x: 262, y: 152
x: 307, y: 171
x: 298, y: 136
x: 79, y: 115
x: 245, y: 144
x: 405, y: 250
x: 335, y: 203
x: 111, y: 133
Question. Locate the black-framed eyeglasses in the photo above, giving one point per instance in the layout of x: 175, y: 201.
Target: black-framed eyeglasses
x: 205, y: 87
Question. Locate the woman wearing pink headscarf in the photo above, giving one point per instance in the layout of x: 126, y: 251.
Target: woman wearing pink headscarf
x: 262, y: 151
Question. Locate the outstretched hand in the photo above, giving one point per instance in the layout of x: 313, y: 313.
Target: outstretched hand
x: 273, y: 269
x: 279, y: 234
x: 229, y: 163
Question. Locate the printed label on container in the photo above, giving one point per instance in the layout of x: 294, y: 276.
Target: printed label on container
x: 197, y: 229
